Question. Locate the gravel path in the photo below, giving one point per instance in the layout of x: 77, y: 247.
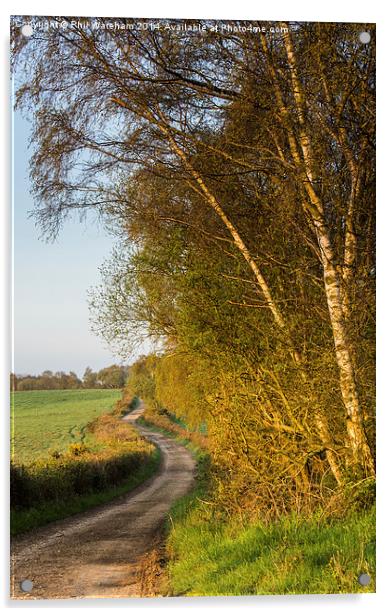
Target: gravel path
x: 100, y: 553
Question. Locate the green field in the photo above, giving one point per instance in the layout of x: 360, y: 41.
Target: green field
x: 43, y: 421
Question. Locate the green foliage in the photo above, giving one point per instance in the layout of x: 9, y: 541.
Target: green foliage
x: 46, y: 380
x: 112, y: 377
x: 249, y: 278
x: 182, y: 381
x: 213, y: 553
x: 141, y: 381
x: 171, y: 426
x: 269, y: 395
x: 49, y: 483
x: 42, y: 513
x: 46, y: 420
x: 359, y: 496
x: 71, y: 475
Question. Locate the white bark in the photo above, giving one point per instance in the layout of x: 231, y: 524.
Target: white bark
x: 361, y: 454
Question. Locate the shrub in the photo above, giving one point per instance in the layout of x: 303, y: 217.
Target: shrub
x: 163, y: 419
x: 81, y: 471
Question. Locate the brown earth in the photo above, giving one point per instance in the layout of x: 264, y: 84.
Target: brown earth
x: 112, y: 550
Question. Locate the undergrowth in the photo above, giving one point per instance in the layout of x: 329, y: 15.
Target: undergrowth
x: 213, y: 553
x: 62, y: 484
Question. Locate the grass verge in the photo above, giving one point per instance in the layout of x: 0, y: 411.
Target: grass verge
x: 165, y: 423
x: 210, y: 557
x: 211, y: 554
x: 24, y: 520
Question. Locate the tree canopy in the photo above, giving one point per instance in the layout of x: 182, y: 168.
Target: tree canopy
x: 112, y: 377
x: 239, y: 173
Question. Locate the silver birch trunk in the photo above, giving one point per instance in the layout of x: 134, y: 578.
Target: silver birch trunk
x: 360, y: 451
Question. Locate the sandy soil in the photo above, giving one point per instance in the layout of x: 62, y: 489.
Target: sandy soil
x: 102, y: 552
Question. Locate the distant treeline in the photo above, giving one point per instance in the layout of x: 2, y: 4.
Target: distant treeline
x: 112, y: 377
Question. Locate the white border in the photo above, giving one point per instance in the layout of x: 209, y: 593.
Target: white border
x: 332, y: 10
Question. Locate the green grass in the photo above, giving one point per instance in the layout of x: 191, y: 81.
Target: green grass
x: 71, y: 453
x: 213, y: 555
x: 152, y: 426
x: 292, y: 556
x: 25, y: 520
x: 46, y: 420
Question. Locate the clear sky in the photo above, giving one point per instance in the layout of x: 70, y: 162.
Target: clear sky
x: 51, y: 329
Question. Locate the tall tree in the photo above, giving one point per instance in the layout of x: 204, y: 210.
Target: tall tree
x: 255, y: 141
x: 89, y: 378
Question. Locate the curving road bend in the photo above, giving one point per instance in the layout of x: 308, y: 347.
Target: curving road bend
x: 99, y: 553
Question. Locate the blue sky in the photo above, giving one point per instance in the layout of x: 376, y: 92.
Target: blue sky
x: 51, y: 328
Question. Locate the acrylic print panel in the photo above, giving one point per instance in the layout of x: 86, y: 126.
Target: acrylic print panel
x: 194, y: 381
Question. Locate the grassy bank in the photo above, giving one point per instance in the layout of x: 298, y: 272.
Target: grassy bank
x: 61, y: 484
x: 171, y: 426
x: 210, y: 553
x: 291, y: 556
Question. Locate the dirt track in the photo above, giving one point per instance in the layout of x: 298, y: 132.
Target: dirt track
x: 100, y: 553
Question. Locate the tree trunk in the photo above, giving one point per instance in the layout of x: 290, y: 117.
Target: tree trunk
x: 361, y: 454
x: 360, y: 451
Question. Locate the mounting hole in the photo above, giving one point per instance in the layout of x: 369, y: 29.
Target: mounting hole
x: 27, y: 30
x: 364, y: 37
x: 364, y: 579
x: 26, y: 585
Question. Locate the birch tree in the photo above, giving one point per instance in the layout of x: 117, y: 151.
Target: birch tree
x: 288, y: 119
